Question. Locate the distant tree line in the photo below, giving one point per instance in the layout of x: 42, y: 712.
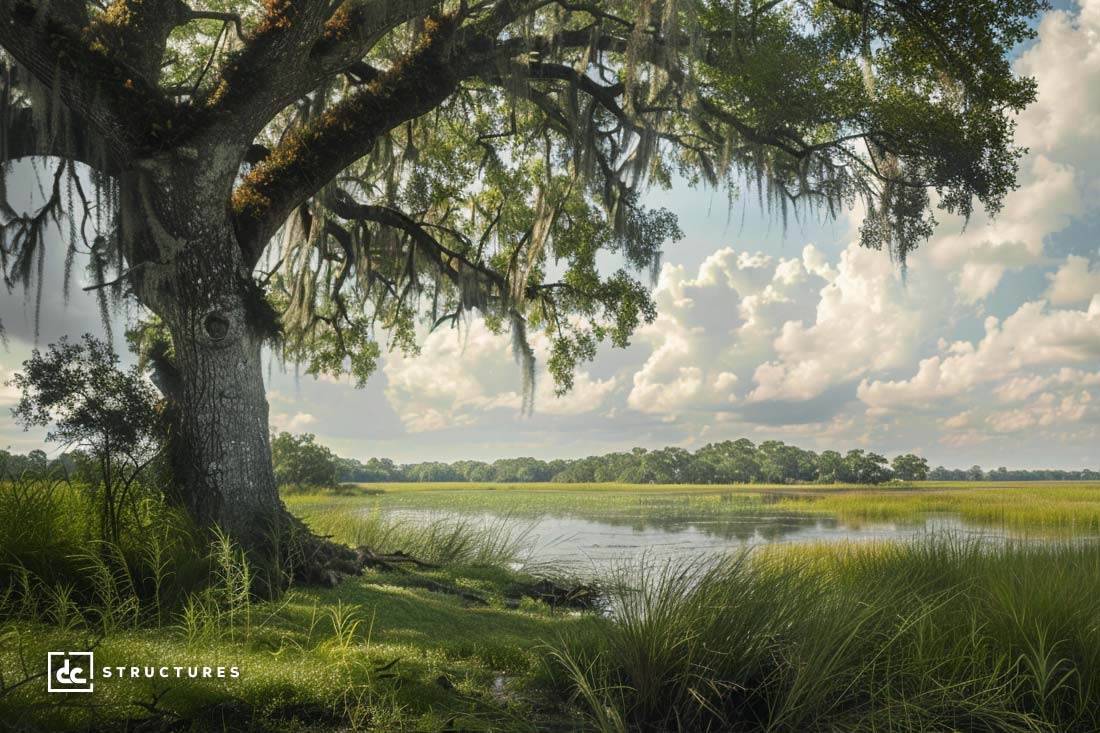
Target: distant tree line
x: 728, y: 462
x: 38, y: 463
x: 301, y: 462
x: 975, y: 473
x: 718, y: 463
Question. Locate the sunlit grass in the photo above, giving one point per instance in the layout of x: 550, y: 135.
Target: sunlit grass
x: 1023, y: 508
x: 1074, y: 507
x: 317, y: 653
x: 941, y: 634
x: 944, y: 633
x: 400, y: 649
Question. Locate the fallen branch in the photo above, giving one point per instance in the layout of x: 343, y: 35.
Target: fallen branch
x: 367, y: 557
x: 580, y: 596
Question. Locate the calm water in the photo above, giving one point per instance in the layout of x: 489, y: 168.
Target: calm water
x: 591, y: 545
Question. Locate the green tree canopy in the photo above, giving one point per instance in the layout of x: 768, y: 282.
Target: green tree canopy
x: 909, y: 467
x: 448, y: 156
x: 302, y: 463
x: 78, y: 391
x: 326, y: 175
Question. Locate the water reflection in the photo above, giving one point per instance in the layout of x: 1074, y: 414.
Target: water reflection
x: 584, y: 544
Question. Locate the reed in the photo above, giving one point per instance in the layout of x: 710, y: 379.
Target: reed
x: 942, y: 634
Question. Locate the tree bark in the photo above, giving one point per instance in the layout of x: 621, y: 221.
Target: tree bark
x: 188, y: 268
x: 221, y: 447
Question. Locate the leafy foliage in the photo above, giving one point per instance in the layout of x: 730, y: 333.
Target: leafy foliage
x: 109, y: 414
x: 302, y: 464
x: 410, y: 164
x: 909, y: 467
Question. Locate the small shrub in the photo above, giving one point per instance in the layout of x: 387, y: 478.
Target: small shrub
x: 89, y: 403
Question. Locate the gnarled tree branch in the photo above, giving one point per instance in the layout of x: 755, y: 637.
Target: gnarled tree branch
x: 127, y: 111
x: 309, y: 158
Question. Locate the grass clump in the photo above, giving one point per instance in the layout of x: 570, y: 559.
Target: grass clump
x: 941, y: 634
x: 53, y: 561
x: 438, y: 540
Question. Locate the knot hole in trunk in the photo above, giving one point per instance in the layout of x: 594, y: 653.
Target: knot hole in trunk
x: 216, y: 326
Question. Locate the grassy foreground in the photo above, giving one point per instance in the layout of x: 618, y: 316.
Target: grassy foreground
x: 938, y: 635
x: 943, y: 634
x: 377, y: 653
x: 450, y: 648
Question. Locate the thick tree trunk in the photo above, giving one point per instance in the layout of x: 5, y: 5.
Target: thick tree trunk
x: 222, y: 446
x: 189, y: 270
x: 219, y: 442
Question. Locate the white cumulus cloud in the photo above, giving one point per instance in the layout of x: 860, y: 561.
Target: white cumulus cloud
x: 1033, y: 336
x: 1074, y: 282
x: 460, y: 376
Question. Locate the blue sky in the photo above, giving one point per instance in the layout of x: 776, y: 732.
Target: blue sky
x: 989, y: 353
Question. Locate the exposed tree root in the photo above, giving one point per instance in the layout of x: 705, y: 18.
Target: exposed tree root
x: 320, y: 561
x: 580, y: 596
x: 324, y: 562
x: 386, y: 562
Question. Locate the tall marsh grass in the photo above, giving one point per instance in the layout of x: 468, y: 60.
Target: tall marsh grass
x: 1038, y: 509
x: 164, y: 572
x: 442, y: 540
x: 945, y: 634
x: 1054, y: 507
x: 55, y: 569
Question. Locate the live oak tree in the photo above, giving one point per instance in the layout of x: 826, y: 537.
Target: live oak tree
x: 328, y: 175
x: 909, y: 467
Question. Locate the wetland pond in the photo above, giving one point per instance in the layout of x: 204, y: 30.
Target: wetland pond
x: 584, y: 545
x: 588, y: 533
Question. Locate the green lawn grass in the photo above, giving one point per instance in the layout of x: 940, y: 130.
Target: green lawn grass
x: 381, y: 652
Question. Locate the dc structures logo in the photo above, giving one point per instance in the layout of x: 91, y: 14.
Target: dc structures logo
x: 70, y: 671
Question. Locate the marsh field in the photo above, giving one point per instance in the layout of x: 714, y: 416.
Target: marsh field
x: 925, y: 607
x: 588, y: 529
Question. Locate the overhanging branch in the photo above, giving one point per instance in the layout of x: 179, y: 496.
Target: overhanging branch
x: 22, y: 139
x: 309, y: 158
x: 450, y: 263
x: 127, y: 111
